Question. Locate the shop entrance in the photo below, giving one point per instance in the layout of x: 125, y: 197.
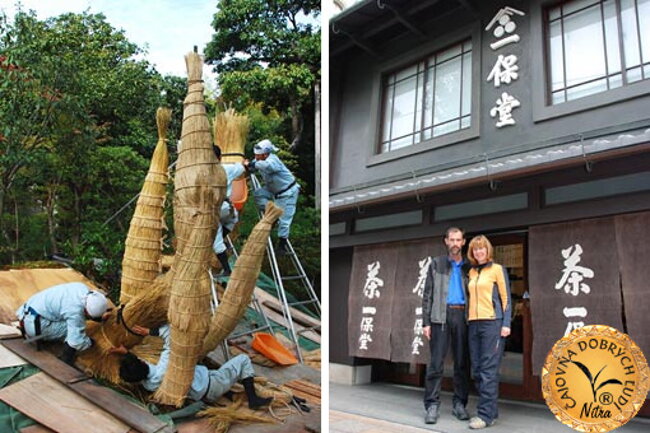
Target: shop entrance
x: 517, y: 379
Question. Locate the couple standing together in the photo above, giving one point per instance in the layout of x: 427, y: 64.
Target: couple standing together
x: 466, y: 305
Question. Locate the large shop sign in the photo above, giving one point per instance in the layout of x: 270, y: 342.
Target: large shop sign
x: 505, y: 70
x: 591, y: 272
x: 385, y: 300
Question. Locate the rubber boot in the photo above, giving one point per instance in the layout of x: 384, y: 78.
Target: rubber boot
x: 223, y: 259
x: 254, y: 400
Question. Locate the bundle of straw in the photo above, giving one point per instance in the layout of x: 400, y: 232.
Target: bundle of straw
x: 148, y: 308
x: 197, y: 165
x: 242, y: 281
x: 141, y: 263
x: 189, y: 310
x: 230, y: 133
x: 221, y: 418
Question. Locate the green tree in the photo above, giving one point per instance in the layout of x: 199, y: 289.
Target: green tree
x: 78, y: 127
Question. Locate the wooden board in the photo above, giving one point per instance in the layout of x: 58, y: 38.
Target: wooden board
x: 8, y: 331
x: 307, y: 390
x: 129, y: 413
x: 52, y: 404
x: 298, y: 316
x: 36, y: 428
x: 9, y: 359
x: 279, y: 318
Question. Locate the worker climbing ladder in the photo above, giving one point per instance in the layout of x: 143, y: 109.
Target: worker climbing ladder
x: 300, y: 276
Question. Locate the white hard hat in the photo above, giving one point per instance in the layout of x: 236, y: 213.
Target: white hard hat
x: 264, y: 146
x: 96, y: 304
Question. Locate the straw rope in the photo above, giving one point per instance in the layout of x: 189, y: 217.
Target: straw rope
x: 242, y: 281
x: 147, y: 223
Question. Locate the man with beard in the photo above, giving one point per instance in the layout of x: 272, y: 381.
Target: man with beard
x: 445, y: 324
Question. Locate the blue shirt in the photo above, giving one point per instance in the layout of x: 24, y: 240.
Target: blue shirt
x: 456, y: 294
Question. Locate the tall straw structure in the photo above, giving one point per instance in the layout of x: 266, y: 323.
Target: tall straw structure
x: 197, y: 165
x: 189, y: 311
x: 230, y: 133
x: 141, y: 263
x: 242, y: 281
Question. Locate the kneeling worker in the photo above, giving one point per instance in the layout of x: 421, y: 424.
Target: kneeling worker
x: 60, y: 313
x: 207, y: 385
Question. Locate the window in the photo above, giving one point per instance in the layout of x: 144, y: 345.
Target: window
x: 428, y: 99
x: 596, y: 45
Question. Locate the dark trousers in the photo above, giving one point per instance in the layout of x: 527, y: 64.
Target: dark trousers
x: 486, y: 351
x: 454, y: 333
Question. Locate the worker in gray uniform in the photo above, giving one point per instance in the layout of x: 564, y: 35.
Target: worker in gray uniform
x: 207, y: 385
x: 280, y: 186
x: 60, y: 313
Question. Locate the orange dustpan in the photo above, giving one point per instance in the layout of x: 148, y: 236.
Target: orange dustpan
x: 270, y: 347
x: 239, y: 193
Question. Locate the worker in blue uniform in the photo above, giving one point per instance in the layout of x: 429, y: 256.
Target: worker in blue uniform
x: 60, y: 313
x: 228, y: 216
x: 279, y: 186
x: 207, y: 385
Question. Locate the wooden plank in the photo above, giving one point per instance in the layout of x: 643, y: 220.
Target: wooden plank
x: 36, y: 428
x: 130, y: 413
x: 49, y: 402
x: 9, y: 359
x: 279, y: 318
x: 310, y: 398
x: 298, y: 316
x: 7, y: 331
x: 304, y: 385
x: 44, y: 360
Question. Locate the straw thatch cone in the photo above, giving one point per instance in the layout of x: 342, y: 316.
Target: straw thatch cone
x: 197, y: 165
x: 230, y: 133
x: 189, y: 311
x: 242, y: 281
x: 141, y: 263
x: 148, y: 308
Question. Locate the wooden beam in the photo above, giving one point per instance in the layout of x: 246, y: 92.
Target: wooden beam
x: 54, y: 405
x: 298, y: 316
x: 129, y: 413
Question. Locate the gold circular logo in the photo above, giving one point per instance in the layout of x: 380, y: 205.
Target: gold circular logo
x: 595, y: 379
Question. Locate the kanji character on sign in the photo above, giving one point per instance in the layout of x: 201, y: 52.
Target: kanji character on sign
x: 504, y: 70
x: 505, y: 104
x: 506, y: 27
x: 373, y: 282
x: 364, y: 339
x: 573, y: 275
x: 422, y: 276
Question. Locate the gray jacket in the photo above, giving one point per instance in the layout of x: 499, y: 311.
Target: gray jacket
x: 436, y: 288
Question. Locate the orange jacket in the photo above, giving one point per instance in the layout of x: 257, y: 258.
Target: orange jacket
x: 489, y: 293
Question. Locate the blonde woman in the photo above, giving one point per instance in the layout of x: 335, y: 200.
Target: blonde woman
x: 489, y: 324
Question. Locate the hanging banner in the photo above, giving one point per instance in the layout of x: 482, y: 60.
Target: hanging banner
x: 372, y: 282
x: 408, y: 344
x: 633, y: 242
x: 573, y: 281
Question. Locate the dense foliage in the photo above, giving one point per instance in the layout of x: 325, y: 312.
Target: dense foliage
x: 77, y: 130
